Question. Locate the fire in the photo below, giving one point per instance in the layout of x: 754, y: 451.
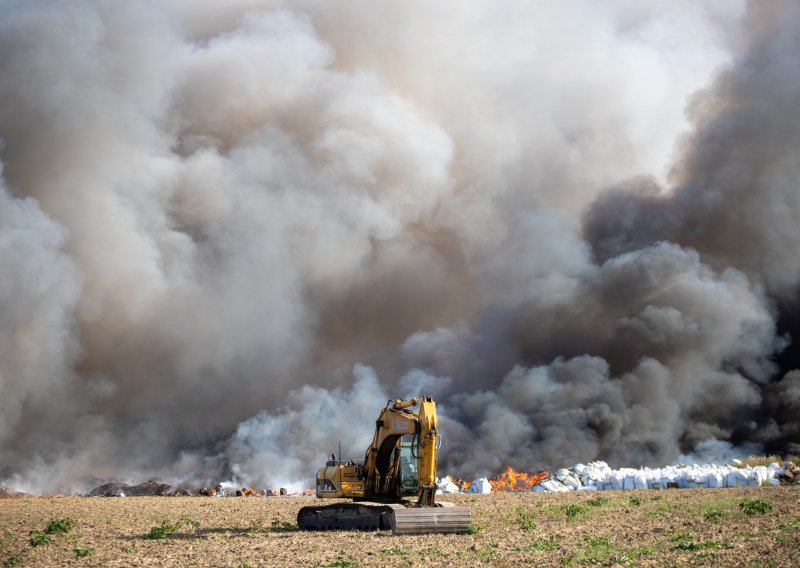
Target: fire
x: 462, y: 484
x: 511, y: 480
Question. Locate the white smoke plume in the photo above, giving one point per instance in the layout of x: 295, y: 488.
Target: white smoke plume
x: 231, y: 230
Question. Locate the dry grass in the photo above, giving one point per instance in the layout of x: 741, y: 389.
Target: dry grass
x: 753, y: 461
x: 635, y: 528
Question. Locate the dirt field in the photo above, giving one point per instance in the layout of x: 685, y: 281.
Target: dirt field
x: 658, y: 528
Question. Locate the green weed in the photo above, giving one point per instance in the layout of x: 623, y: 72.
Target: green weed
x: 127, y: 549
x: 713, y: 515
x: 574, y: 510
x: 395, y: 551
x: 525, y: 518
x: 595, y: 550
x: 60, y: 526
x: 54, y: 527
x: 540, y: 545
x: 167, y: 529
x: 598, y: 501
x: 84, y: 552
x: 257, y: 526
x: 790, y: 526
x: 38, y: 538
x: 14, y: 560
x: 474, y: 528
x: 487, y: 553
x: 752, y: 507
x: 636, y: 501
x: 660, y: 510
x: 686, y: 542
x: 282, y: 526
x: 164, y: 530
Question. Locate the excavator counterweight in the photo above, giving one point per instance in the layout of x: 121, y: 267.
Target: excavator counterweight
x: 399, y: 463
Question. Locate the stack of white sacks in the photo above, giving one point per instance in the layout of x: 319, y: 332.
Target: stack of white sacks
x: 599, y: 476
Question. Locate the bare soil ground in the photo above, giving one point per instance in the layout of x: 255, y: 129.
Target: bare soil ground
x: 646, y: 528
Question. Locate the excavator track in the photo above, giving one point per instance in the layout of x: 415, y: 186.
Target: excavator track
x: 424, y: 520
x: 400, y: 520
x: 344, y: 516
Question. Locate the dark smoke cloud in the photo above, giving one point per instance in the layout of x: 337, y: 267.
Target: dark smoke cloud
x: 230, y: 231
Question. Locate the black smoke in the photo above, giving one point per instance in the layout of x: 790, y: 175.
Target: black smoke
x: 231, y: 230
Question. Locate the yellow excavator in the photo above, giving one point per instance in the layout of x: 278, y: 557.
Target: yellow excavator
x: 399, y: 463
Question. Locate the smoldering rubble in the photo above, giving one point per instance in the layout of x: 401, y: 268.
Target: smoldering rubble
x: 231, y: 231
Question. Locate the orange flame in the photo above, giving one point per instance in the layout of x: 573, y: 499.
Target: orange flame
x: 511, y: 480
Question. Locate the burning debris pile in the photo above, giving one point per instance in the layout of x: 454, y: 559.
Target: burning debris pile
x: 597, y: 476
x: 118, y: 489
x: 511, y: 480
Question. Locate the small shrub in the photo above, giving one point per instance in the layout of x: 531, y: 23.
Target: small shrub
x: 790, y: 526
x: 752, y: 507
x: 38, y: 538
x: 433, y: 550
x: 60, y: 526
x: 713, y: 515
x: 395, y: 550
x: 487, y: 553
x: 341, y: 562
x: 636, y: 501
x: 715, y: 544
x: 84, y: 552
x: 685, y: 541
x: 598, y: 501
x: 257, y: 526
x: 185, y: 520
x: 14, y: 560
x: 282, y: 526
x: 526, y: 519
x: 574, y: 510
x: 595, y: 550
x: 540, y: 545
x: 474, y: 528
x: 166, y: 528
x: 54, y: 527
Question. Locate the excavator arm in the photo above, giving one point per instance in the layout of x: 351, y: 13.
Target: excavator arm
x: 428, y: 444
x: 382, y: 461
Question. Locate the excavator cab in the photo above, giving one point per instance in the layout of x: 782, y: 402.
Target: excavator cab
x: 408, y: 476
